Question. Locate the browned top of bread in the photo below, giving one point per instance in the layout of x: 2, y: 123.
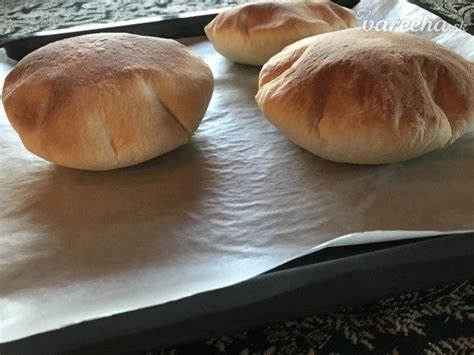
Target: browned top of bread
x: 143, y: 93
x: 252, y: 33
x: 264, y: 16
x: 368, y: 97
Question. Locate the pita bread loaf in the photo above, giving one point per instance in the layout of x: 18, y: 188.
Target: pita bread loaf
x: 252, y: 33
x: 106, y: 101
x: 368, y: 97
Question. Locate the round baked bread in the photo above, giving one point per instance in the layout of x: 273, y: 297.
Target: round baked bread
x: 368, y: 97
x: 105, y: 101
x: 252, y: 33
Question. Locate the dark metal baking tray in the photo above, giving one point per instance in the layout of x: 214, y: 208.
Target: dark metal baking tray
x: 320, y: 282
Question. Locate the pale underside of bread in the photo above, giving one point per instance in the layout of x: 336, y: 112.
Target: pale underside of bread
x: 106, y: 102
x: 368, y: 98
x: 252, y: 33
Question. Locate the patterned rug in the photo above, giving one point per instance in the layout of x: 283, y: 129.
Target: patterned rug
x: 434, y: 321
x: 453, y: 11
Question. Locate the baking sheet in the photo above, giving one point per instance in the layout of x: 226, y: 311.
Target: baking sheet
x: 238, y: 200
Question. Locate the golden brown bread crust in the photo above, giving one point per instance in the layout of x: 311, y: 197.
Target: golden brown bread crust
x: 252, y: 33
x: 106, y: 101
x: 368, y: 97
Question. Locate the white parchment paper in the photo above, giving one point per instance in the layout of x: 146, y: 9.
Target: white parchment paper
x: 238, y: 200
x: 400, y: 15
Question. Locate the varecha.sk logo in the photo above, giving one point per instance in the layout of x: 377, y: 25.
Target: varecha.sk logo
x: 423, y: 24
